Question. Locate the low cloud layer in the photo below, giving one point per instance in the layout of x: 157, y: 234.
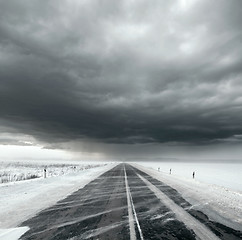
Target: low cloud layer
x: 121, y: 72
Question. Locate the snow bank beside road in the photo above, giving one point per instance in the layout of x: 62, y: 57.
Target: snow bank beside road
x: 219, y: 203
x: 22, y: 200
x: 12, y: 233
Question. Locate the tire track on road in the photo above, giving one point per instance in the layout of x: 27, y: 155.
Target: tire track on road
x: 156, y: 220
x: 97, y: 211
x: 200, y: 230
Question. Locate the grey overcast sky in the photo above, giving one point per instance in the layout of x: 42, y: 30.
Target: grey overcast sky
x: 127, y: 78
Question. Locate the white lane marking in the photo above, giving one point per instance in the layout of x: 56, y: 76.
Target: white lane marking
x: 131, y: 217
x: 132, y: 205
x: 135, y: 216
x: 200, y: 230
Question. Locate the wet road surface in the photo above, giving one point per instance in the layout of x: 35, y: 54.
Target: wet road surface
x: 125, y: 203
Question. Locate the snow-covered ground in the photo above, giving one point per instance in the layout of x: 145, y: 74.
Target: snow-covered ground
x: 19, y: 171
x: 12, y: 233
x: 220, y: 203
x: 228, y: 175
x: 23, y: 199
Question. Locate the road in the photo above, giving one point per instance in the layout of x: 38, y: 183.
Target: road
x: 125, y: 203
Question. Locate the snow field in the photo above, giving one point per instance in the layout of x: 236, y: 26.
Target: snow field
x: 228, y: 175
x: 19, y: 171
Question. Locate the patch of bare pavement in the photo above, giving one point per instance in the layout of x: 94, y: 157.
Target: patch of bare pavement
x: 125, y: 203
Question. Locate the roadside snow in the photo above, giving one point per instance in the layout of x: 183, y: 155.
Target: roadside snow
x: 22, y: 200
x: 224, y: 174
x: 12, y: 233
x: 219, y: 203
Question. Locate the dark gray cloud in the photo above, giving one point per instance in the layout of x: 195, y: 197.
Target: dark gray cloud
x: 122, y: 72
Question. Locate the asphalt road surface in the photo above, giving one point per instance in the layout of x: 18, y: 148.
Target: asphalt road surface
x: 125, y: 203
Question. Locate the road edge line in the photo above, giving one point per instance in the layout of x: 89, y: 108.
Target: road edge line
x: 200, y: 233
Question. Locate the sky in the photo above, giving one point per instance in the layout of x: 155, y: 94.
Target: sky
x: 121, y: 80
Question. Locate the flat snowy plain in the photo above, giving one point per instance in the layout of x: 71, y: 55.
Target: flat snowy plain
x: 213, y: 191
x: 228, y: 175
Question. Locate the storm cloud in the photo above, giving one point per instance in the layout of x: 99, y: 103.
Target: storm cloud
x: 121, y: 72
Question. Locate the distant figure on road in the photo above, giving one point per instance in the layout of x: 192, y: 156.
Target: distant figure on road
x: 45, y: 173
x: 193, y: 174
x: 170, y: 170
x: 158, y: 169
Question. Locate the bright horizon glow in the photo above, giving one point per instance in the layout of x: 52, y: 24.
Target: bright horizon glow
x: 38, y: 153
x: 20, y: 153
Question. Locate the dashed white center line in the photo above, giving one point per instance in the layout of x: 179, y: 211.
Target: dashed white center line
x: 132, y: 212
x: 135, y: 216
x: 131, y: 217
